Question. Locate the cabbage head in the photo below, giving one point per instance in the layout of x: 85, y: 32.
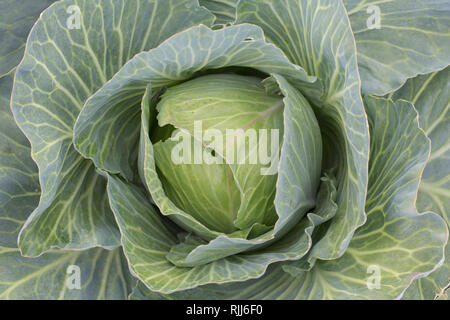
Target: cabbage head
x: 224, y: 149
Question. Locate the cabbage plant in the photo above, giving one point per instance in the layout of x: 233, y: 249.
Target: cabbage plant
x: 224, y: 149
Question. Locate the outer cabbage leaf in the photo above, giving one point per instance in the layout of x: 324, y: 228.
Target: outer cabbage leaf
x: 19, y: 184
x: 103, y: 274
x: 431, y: 96
x: 434, y: 286
x: 16, y: 20
x: 413, y: 38
x: 61, y: 68
x: 224, y: 10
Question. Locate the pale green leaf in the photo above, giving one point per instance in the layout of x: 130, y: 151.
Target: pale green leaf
x: 16, y: 20
x: 19, y: 184
x: 103, y: 274
x: 430, y: 94
x: 413, y: 38
x: 434, y: 286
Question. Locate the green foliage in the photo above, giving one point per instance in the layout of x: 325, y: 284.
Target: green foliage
x: 348, y: 199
